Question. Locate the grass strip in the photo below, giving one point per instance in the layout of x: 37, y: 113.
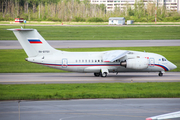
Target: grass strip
x: 13, y: 61
x: 85, y: 23
x: 89, y: 91
x: 98, y: 33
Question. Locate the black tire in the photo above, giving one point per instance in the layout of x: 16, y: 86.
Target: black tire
x: 96, y: 74
x: 104, y: 74
x: 160, y: 74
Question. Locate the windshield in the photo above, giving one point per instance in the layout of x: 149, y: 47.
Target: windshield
x: 164, y: 59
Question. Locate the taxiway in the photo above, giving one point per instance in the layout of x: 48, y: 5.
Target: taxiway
x: 34, y: 78
x: 88, y: 109
x: 14, y: 44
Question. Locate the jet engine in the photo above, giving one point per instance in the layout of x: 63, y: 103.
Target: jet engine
x: 138, y: 63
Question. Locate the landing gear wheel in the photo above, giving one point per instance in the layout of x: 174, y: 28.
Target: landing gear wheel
x: 96, y: 74
x: 104, y: 74
x: 160, y: 74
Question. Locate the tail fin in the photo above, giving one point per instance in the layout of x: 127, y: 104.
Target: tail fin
x: 32, y: 42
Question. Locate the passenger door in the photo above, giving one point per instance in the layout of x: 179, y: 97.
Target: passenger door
x: 64, y: 63
x: 151, y: 62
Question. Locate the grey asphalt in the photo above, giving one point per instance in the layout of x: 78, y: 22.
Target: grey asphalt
x: 14, y: 44
x: 89, y: 109
x: 39, y: 78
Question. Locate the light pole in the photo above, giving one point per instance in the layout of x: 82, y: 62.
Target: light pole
x: 156, y: 12
x: 19, y: 108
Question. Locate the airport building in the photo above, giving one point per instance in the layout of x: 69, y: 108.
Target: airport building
x: 170, y: 5
x: 116, y: 21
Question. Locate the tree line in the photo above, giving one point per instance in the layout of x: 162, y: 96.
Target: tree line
x: 80, y: 11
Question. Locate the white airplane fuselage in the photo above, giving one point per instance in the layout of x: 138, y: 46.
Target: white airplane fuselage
x: 93, y: 62
x: 99, y: 63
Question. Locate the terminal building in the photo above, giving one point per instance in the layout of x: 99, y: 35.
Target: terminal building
x: 170, y: 5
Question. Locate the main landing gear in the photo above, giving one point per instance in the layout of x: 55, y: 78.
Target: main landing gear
x: 104, y: 74
x: 160, y: 74
x: 96, y: 74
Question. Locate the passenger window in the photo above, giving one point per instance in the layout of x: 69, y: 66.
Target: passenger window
x: 89, y: 60
x: 85, y: 60
x: 98, y: 60
x: 92, y: 60
x: 76, y: 60
x: 82, y: 60
x: 95, y: 60
x: 79, y: 60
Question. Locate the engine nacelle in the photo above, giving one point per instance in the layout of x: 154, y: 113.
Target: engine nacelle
x: 138, y: 63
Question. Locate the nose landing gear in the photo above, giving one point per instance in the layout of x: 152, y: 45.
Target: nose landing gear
x: 160, y: 73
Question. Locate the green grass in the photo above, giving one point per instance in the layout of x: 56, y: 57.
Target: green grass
x: 98, y: 33
x: 13, y: 61
x: 53, y: 23
x: 89, y: 91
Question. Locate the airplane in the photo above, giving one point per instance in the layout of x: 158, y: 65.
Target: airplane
x: 99, y: 63
x: 165, y: 116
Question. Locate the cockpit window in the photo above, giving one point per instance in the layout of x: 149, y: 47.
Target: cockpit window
x: 163, y: 59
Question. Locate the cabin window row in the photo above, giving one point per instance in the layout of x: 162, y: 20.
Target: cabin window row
x: 93, y: 61
x: 89, y: 61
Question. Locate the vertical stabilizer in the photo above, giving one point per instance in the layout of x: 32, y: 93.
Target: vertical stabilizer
x: 32, y: 42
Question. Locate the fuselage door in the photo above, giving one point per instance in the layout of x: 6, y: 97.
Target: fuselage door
x: 64, y: 63
x: 151, y: 62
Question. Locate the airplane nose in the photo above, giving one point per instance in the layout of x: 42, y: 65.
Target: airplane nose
x: 172, y: 66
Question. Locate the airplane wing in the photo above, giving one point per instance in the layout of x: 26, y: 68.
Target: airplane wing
x: 165, y: 116
x: 21, y: 29
x: 113, y: 55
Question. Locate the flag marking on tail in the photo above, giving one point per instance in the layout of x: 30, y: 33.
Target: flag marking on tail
x: 34, y: 41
